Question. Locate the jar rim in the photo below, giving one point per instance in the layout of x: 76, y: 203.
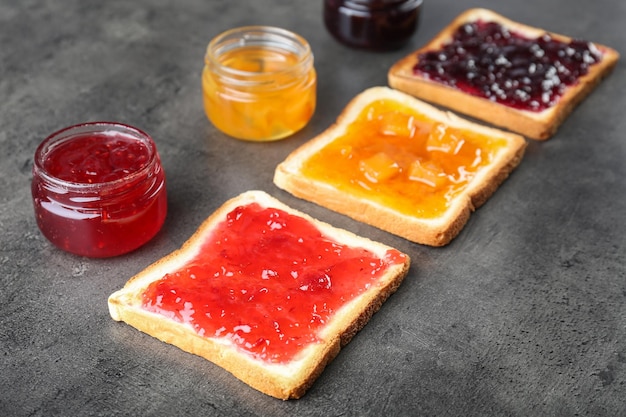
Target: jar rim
x: 79, y: 130
x: 257, y: 35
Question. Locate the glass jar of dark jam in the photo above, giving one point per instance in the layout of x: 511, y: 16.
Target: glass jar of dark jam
x: 378, y: 25
x: 98, y: 189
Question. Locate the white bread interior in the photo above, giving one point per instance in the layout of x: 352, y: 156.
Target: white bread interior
x: 282, y: 381
x: 536, y: 125
x: 434, y: 231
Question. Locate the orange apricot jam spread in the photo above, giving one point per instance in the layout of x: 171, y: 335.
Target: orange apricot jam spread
x: 403, y: 159
x: 268, y: 281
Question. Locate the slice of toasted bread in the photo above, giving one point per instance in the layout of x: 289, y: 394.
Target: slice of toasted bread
x: 328, y: 170
x: 534, y: 124
x: 255, y: 262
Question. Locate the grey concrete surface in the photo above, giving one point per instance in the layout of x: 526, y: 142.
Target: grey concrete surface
x: 523, y: 314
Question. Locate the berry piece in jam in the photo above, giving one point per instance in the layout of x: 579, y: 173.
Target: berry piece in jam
x: 486, y: 59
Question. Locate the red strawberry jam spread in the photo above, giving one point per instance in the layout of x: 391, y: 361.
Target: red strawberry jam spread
x: 268, y: 281
x: 487, y: 60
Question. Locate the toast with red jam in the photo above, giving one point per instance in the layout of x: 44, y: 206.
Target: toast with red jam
x: 268, y: 293
x: 506, y: 73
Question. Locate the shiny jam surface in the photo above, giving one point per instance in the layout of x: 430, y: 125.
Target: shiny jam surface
x: 269, y: 99
x: 99, y: 194
x: 97, y: 158
x: 487, y: 60
x: 268, y: 281
x: 401, y: 158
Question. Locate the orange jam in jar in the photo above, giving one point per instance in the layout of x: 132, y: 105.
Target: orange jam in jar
x: 259, y: 83
x: 403, y: 159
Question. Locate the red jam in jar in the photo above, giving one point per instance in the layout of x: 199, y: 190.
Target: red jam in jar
x: 488, y: 60
x: 372, y: 24
x: 268, y: 281
x: 98, y: 189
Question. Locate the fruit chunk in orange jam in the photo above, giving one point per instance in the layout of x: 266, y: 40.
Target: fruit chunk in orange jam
x: 401, y: 158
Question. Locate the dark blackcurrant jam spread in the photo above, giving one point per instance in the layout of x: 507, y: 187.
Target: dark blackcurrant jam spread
x: 487, y: 60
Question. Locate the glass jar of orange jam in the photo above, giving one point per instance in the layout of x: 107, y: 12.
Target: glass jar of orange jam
x: 98, y: 189
x: 259, y: 83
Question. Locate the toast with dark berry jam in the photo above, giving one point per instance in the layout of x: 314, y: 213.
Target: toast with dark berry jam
x: 511, y: 75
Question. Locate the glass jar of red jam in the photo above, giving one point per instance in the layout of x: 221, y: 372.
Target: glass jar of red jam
x: 98, y: 189
x: 378, y: 25
x: 259, y: 83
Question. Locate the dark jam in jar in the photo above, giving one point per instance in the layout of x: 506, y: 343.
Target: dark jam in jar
x: 372, y: 24
x: 98, y: 189
x: 487, y: 60
x: 268, y: 281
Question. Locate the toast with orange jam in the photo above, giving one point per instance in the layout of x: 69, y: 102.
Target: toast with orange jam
x: 400, y: 164
x: 264, y: 291
x: 506, y: 73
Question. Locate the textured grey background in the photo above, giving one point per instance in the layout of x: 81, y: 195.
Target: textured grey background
x: 523, y: 314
